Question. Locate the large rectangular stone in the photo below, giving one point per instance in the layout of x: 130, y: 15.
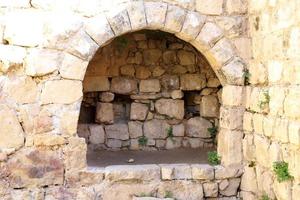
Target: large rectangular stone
x: 117, y: 131
x: 96, y: 84
x: 202, y: 172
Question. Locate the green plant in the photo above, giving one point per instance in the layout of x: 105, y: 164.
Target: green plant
x: 143, y: 141
x: 213, y: 158
x: 265, y: 197
x: 281, y: 170
x: 246, y: 76
x: 213, y: 130
x: 168, y: 194
x: 170, y: 132
x: 265, y: 101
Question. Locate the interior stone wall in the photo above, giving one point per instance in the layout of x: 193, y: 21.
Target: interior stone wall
x: 149, y: 90
x: 45, y: 50
x: 271, y: 122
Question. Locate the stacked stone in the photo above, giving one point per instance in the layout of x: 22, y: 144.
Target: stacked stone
x: 171, y: 94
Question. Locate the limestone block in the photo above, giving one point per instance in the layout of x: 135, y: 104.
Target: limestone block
x: 213, y: 82
x: 186, y: 57
x: 236, y: 7
x: 31, y: 171
x: 122, y: 85
x: 209, y: 34
x: 150, y: 85
x: 135, y: 129
x: 276, y: 103
x: 191, y: 26
x: 61, y: 91
x: 152, y: 56
x: 169, y: 57
x: 155, y: 14
x: 138, y: 111
x: 176, y: 172
x: 275, y: 69
x: 114, y: 144
x: 170, y: 82
x: 41, y: 62
x: 132, y: 172
x: 156, y: 129
x: 158, y: 71
x: 193, y: 143
x: 173, y: 143
x: 75, y: 154
x: 119, y: 21
x: 171, y: 108
x: 12, y: 135
x: 145, y: 96
x: 174, y: 19
x: 177, y: 94
x: 202, y: 172
x: 283, y: 190
x: 104, y: 113
x: 106, y: 97
x: 233, y: 95
x: 222, y: 52
x: 222, y: 172
x: 192, y: 82
x: 262, y: 146
x: 292, y: 103
x: 258, y: 123
x: 234, y: 72
x: 97, y: 134
x: 21, y: 90
x: 248, y: 182
x: 96, y: 84
x: 137, y: 58
x: 269, y: 124
x: 178, y: 130
x: 136, y: 13
x: 197, y: 127
x: 231, y: 118
x: 117, y: 131
x: 214, y: 7
x: 11, y: 57
x: 209, y: 106
x: 232, y: 187
x: 258, y: 72
x: 181, y: 189
x: 248, y: 147
x: 142, y: 72
x: 248, y: 121
x: 48, y: 139
x: 210, y: 189
x: 134, y: 144
x: 91, y: 176
x: 73, y: 67
x: 296, y: 191
x: 179, y: 69
x: 294, y: 132
x: 83, y: 131
x: 280, y: 131
x: 99, y: 29
x: 128, y: 70
x: 17, y: 31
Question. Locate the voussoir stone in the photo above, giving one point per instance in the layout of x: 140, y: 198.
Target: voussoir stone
x: 197, y: 127
x: 73, y: 67
x: 131, y: 172
x: 213, y: 7
x: 117, y: 131
x: 155, y: 14
x: 136, y: 13
x: 174, y: 19
x: 122, y: 85
x: 170, y: 107
x: 156, y: 129
x: 11, y: 135
x: 119, y: 21
x: 61, y: 91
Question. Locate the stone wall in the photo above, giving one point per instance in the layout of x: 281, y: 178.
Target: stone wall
x: 149, y: 90
x: 271, y: 122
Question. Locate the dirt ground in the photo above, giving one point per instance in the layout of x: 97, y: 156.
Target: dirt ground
x: 185, y: 155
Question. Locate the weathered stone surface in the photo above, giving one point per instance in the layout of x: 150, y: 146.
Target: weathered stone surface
x: 283, y: 190
x: 38, y: 168
x: 48, y: 139
x: 209, y: 106
x: 170, y: 82
x: 40, y: 62
x: 178, y: 130
x: 97, y: 134
x: 104, y: 113
x: 156, y: 129
x: 169, y: 57
x: 135, y: 172
x: 176, y: 171
x: 192, y: 82
x: 232, y: 187
x: 174, y: 19
x: 150, y: 85
x: 233, y: 95
x: 248, y: 182
x: 210, y: 189
x: 121, y: 85
x: 83, y: 131
x: 222, y: 52
x: 291, y: 103
x: 181, y: 190
x: 186, y: 57
x: 261, y: 150
x: 136, y: 13
x: 142, y: 72
x: 214, y: 7
x: 91, y: 176
x: 61, y: 91
x: 73, y: 67
x: 135, y: 129
x: 119, y: 21
x: 177, y: 94
x: 236, y: 7
x: 75, y: 154
x: 231, y: 118
x: 202, y: 172
x: 106, y: 96
x: 138, y: 111
x: 155, y: 14
x: 197, y: 127
x: 152, y: 56
x: 128, y: 70
x: 174, y: 142
x: 11, y: 57
x: 209, y: 34
x: 171, y: 108
x: 294, y: 132
x: 11, y: 135
x: 114, y: 144
x: 117, y: 131
x: 234, y: 72
x: 95, y: 83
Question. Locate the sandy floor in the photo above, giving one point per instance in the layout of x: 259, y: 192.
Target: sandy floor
x: 105, y: 158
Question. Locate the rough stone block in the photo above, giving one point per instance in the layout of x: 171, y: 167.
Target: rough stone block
x: 106, y: 97
x: 73, y: 67
x: 213, y: 7
x: 117, y: 131
x: 155, y: 14
x: 138, y: 111
x: 174, y: 19
x: 104, y: 113
x: 173, y: 143
x: 135, y: 129
x: 209, y: 34
x: 210, y: 189
x: 136, y: 13
x: 233, y: 95
x: 152, y: 56
x: 171, y: 108
x: 192, y: 82
x: 114, y: 144
x: 232, y: 187
x: 96, y: 84
x: 97, y: 134
x: 170, y: 82
x: 209, y: 106
x: 119, y: 21
x: 202, y: 172
x: 186, y: 57
x: 150, y: 85
x: 156, y: 129
x: 231, y: 118
x: 121, y: 85
x: 197, y: 127
x: 176, y: 172
x: 234, y: 71
x: 11, y: 57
